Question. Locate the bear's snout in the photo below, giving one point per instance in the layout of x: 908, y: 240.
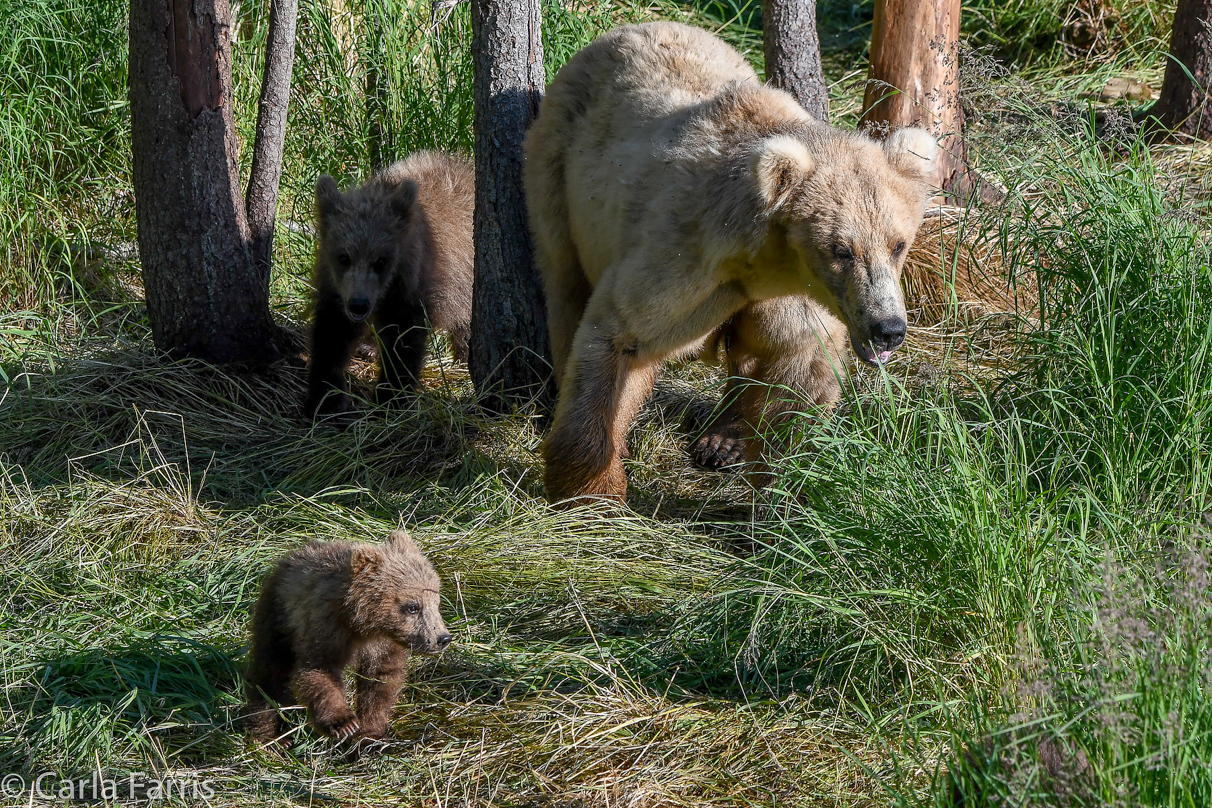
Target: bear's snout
x: 888, y: 334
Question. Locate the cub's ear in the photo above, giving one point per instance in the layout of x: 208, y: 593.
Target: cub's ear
x: 400, y: 541
x: 328, y: 197
x: 913, y: 151
x: 365, y: 560
x: 780, y: 165
x: 404, y: 198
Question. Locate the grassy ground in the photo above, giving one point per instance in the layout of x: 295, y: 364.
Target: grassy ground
x: 985, y: 574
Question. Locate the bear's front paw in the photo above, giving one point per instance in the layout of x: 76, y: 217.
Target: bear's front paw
x: 719, y: 450
x: 341, y: 729
x: 326, y: 404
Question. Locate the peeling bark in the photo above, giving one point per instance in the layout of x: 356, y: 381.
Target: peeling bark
x: 914, y: 81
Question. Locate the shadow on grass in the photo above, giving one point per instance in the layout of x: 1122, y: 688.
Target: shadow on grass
x: 241, y: 433
x: 162, y: 698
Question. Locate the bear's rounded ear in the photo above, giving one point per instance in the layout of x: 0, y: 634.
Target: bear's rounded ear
x: 404, y: 198
x: 365, y: 560
x: 780, y: 165
x: 913, y: 151
x: 400, y: 541
x: 328, y: 196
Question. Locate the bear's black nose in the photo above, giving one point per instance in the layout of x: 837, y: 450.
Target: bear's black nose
x: 358, y: 308
x: 443, y: 641
x: 888, y: 334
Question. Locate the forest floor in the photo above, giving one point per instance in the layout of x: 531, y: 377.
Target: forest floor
x: 996, y: 544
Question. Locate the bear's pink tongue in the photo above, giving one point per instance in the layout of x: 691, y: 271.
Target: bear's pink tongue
x: 883, y: 356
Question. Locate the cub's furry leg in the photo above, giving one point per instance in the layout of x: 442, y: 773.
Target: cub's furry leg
x: 270, y: 663
x: 321, y: 691
x: 333, y: 339
x: 402, y: 333
x: 794, y: 350
x: 605, y: 384
x: 381, y: 674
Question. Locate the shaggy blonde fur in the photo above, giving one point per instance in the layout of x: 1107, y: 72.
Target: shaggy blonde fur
x: 677, y: 203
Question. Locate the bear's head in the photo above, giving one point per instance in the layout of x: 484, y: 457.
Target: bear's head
x: 360, y: 233
x: 393, y: 592
x: 850, y: 207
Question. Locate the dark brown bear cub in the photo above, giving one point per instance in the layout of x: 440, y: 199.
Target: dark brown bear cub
x: 393, y: 252
x: 332, y: 605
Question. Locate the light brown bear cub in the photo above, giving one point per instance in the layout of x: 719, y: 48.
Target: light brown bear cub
x: 332, y: 605
x: 393, y: 252
x: 676, y: 204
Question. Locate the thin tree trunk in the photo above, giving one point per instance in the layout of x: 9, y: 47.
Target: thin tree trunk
x: 510, y: 357
x: 793, y: 53
x: 204, y: 297
x: 914, y: 81
x: 1183, y: 104
x: 261, y: 201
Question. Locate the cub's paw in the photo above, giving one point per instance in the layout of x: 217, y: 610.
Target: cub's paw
x: 322, y: 405
x: 341, y: 729
x: 719, y: 449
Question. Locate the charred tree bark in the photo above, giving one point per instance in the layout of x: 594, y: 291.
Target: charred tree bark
x: 261, y: 200
x: 914, y: 81
x: 793, y: 53
x: 1183, y: 104
x: 204, y: 296
x: 510, y: 355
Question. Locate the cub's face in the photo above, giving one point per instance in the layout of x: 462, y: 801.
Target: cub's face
x: 359, y: 240
x: 850, y: 217
x: 394, y: 592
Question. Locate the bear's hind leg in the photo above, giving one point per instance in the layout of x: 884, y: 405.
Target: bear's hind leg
x: 381, y: 674
x: 605, y: 384
x: 270, y: 664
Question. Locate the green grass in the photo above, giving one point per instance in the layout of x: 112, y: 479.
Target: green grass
x: 989, y: 553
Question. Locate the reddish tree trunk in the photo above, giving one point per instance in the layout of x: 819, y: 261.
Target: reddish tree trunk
x: 914, y: 81
x: 510, y: 355
x: 793, y: 53
x: 1183, y: 104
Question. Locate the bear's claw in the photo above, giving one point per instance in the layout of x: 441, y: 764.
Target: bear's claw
x: 718, y: 451
x: 344, y: 730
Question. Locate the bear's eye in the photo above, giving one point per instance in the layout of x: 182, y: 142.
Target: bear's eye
x: 411, y: 607
x: 842, y: 252
x: 899, y: 248
x: 379, y: 264
x: 343, y: 259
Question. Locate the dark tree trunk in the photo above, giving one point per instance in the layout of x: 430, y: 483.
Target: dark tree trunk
x: 1183, y: 104
x: 510, y: 357
x: 204, y: 297
x: 914, y: 81
x: 261, y: 201
x: 793, y: 53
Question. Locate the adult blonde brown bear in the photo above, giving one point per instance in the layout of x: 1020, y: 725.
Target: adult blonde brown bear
x: 678, y: 204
